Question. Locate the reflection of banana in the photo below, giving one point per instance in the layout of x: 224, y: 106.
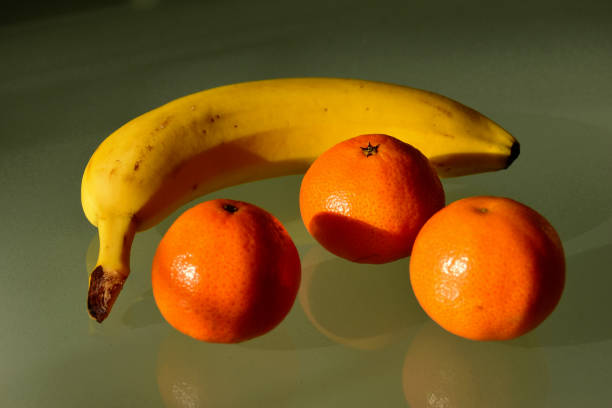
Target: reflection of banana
x: 244, y: 132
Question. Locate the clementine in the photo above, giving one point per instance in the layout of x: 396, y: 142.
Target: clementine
x: 225, y: 271
x: 488, y: 268
x: 366, y: 198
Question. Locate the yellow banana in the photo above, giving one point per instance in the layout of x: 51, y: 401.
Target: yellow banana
x: 243, y: 132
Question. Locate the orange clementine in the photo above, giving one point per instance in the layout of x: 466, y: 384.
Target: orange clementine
x: 366, y: 198
x: 488, y: 268
x: 225, y: 271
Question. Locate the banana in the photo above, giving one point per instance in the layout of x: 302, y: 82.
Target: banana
x: 243, y: 132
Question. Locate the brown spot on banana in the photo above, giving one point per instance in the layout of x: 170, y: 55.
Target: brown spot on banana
x: 212, y: 118
x: 166, y: 122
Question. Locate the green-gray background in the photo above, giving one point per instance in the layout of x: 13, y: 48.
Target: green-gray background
x: 72, y: 73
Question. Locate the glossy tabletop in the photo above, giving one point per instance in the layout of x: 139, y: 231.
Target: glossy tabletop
x: 71, y: 74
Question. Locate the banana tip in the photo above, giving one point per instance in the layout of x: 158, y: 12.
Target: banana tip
x: 104, y: 287
x: 515, y: 150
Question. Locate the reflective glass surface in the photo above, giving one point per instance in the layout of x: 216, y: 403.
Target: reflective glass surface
x: 356, y: 336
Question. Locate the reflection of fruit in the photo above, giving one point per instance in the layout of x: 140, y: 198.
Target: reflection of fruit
x: 92, y: 253
x: 442, y: 370
x: 488, y: 268
x: 193, y: 374
x: 225, y: 271
x: 229, y: 135
x: 366, y: 198
x: 355, y: 306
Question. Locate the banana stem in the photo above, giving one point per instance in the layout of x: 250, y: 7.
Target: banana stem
x: 113, y: 265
